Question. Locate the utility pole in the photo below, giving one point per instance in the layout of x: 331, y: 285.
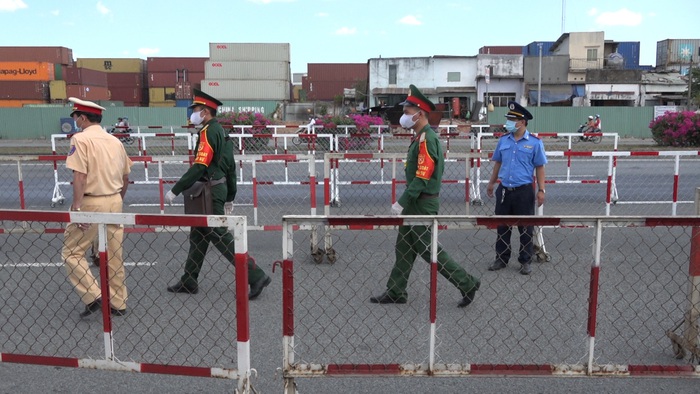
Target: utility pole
x: 539, y: 78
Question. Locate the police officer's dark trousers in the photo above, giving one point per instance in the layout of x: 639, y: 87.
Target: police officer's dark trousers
x: 220, y: 237
x: 519, y: 201
x: 416, y: 240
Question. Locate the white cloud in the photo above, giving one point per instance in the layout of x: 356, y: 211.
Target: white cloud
x: 102, y: 9
x: 11, y: 5
x: 55, y: 12
x: 148, y: 51
x: 346, y: 31
x: 270, y: 1
x: 593, y: 11
x: 322, y: 14
x: 410, y: 20
x: 621, y: 17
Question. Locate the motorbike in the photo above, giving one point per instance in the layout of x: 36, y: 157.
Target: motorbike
x: 585, y: 128
x: 121, y: 130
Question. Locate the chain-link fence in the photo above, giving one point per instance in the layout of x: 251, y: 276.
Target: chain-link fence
x: 620, y: 296
x: 204, y: 334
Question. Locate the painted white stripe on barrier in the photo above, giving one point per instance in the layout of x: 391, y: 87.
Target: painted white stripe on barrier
x: 44, y: 265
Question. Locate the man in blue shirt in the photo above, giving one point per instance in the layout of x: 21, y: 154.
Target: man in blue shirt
x: 518, y: 155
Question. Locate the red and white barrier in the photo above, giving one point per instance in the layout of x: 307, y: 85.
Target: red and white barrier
x: 237, y: 224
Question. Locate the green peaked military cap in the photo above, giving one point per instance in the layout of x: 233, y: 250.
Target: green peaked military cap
x: 417, y: 99
x: 201, y: 98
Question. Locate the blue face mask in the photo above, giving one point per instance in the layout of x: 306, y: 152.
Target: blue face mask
x: 510, y: 126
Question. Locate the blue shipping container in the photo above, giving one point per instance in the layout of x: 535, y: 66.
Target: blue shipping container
x: 630, y: 53
x: 183, y: 103
x: 531, y: 49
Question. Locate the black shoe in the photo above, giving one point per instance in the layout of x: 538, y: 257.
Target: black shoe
x: 180, y: 287
x: 497, y: 265
x: 525, y: 269
x: 95, y: 260
x: 118, y: 312
x: 468, y: 298
x: 385, y: 298
x: 92, y: 308
x: 257, y: 287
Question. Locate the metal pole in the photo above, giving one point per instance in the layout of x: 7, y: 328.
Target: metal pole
x: 539, y: 78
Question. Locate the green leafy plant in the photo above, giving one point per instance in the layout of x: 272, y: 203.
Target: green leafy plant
x: 257, y: 120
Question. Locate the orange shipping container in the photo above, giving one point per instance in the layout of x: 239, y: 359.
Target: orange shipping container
x: 85, y: 92
x: 19, y: 103
x: 26, y: 71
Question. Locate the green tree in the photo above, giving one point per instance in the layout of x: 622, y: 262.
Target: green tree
x: 694, y: 87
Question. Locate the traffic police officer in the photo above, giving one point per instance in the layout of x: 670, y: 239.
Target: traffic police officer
x: 214, y: 163
x: 518, y: 154
x: 424, y: 167
x: 100, y: 178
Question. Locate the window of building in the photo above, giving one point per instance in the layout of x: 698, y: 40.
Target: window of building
x: 392, y: 74
x: 454, y: 76
x: 592, y: 54
x: 501, y: 99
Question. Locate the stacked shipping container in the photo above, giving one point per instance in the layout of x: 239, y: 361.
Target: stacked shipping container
x: 248, y: 76
x: 324, y: 81
x: 126, y: 78
x: 25, y: 73
x: 171, y: 79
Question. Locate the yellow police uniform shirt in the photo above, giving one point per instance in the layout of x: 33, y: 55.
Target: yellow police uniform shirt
x: 102, y: 157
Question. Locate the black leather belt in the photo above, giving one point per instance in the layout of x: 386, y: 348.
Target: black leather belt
x: 512, y: 189
x: 425, y: 196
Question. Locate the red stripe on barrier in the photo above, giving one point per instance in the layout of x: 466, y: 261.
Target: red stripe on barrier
x: 287, y: 298
x: 154, y: 127
x: 591, y: 181
x: 176, y: 370
x: 265, y: 182
x: 360, y: 182
x: 51, y: 157
x: 40, y: 360
x: 660, y: 369
x: 279, y: 157
x: 326, y: 191
x: 312, y: 182
x: 593, y: 301
x: 493, y: 222
x: 35, y: 216
x: 675, y: 188
x: 450, y: 181
x: 272, y: 228
x: 165, y: 134
x: 54, y: 230
x: 360, y: 227
x: 672, y: 221
x: 522, y: 369
x: 363, y: 369
x: 167, y: 220
x: 2, y: 231
x: 21, y: 195
x: 694, y: 266
x: 142, y: 158
x: 364, y: 221
x: 572, y: 153
x: 242, y: 311
x: 650, y: 153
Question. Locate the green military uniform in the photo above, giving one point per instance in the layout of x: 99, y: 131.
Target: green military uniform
x: 421, y: 198
x: 212, y: 140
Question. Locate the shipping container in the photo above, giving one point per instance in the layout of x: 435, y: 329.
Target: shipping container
x: 84, y: 76
x: 109, y: 103
x: 57, y: 90
x: 183, y: 102
x: 26, y: 71
x: 162, y: 104
x: 501, y: 50
x: 58, y: 71
x: 248, y: 70
x: 326, y: 90
x: 169, y: 94
x: 156, y: 95
x: 19, y: 103
x: 249, y: 52
x: 113, y: 65
x: 266, y: 107
x: 127, y: 94
x: 168, y: 64
x: 53, y: 55
x: 532, y: 49
x: 126, y: 80
x: 229, y: 89
x: 337, y: 72
x: 676, y: 52
x: 85, y: 92
x: 630, y: 54
x: 171, y: 78
x: 24, y: 90
x: 183, y: 91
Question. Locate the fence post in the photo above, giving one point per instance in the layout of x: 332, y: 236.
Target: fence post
x: 693, y: 314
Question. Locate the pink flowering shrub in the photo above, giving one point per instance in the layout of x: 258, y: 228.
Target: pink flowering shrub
x: 361, y: 122
x: 676, y: 129
x: 257, y: 120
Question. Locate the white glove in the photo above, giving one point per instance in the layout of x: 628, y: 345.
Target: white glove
x: 228, y: 208
x: 169, y: 197
x: 396, y: 209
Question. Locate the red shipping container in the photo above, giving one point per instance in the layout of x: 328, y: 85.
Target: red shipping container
x: 24, y: 90
x: 162, y: 79
x: 127, y: 94
x: 85, y: 92
x: 501, y: 50
x: 337, y: 71
x: 167, y: 64
x: 183, y: 91
x: 84, y: 76
x: 55, y: 55
x: 122, y: 80
x: 194, y: 78
x: 326, y: 90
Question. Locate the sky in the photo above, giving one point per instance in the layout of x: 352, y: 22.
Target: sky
x: 335, y: 31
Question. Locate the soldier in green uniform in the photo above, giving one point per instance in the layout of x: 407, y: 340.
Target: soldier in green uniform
x: 424, y: 167
x: 217, y: 164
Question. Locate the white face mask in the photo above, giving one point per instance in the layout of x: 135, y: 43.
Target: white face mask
x: 407, y: 121
x: 196, y: 118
